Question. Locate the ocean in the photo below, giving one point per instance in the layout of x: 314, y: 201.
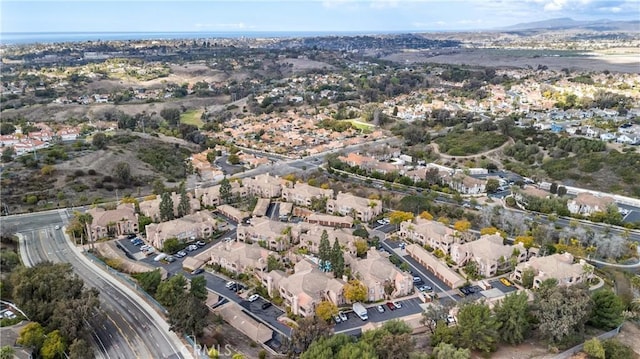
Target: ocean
x: 23, y: 38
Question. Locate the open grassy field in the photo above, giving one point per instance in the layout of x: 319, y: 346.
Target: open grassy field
x: 192, y: 117
x: 362, y: 126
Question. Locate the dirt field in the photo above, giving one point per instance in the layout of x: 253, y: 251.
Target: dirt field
x: 617, y: 62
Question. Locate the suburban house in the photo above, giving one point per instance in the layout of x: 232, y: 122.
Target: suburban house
x: 328, y: 220
x: 238, y: 257
x: 301, y: 194
x: 376, y: 272
x: 310, y: 238
x: 558, y: 266
x: 356, y: 159
x: 151, y: 208
x: 210, y: 196
x: 304, y: 289
x: 264, y: 186
x: 489, y: 253
x: 585, y: 204
x: 463, y: 184
x: 431, y: 233
x: 435, y: 266
x: 522, y: 195
x: 198, y: 225
x: 359, y: 208
x: 204, y: 168
x: 275, y: 235
x: 114, y: 222
x: 232, y: 212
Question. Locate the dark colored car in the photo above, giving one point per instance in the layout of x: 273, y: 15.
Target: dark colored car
x: 197, y: 271
x: 265, y: 305
x: 391, y: 306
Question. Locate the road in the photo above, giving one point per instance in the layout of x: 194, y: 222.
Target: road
x: 122, y: 327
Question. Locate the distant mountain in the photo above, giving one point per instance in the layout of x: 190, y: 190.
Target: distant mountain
x: 566, y: 23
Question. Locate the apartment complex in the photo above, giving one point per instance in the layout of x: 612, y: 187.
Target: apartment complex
x: 198, y: 225
x: 359, y: 208
x: 489, y: 253
x: 557, y: 266
x: 431, y: 233
x: 115, y: 222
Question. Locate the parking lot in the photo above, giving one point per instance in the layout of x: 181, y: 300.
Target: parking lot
x: 409, y: 306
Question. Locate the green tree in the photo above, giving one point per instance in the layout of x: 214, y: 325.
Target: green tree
x: 324, y: 248
x: 527, y: 278
x: 80, y: 349
x: 477, y: 329
x: 361, y: 247
x: 225, y: 191
x: 392, y: 340
x: 190, y: 317
x: 158, y: 187
x: 7, y: 154
x: 433, y: 314
x: 273, y: 263
x: 172, y: 245
x: 54, y: 346
x: 99, y: 141
x: 166, y: 207
x: 448, y: 351
x: 593, y: 347
x: 233, y: 159
x: 614, y: 349
x: 198, y: 287
x: 512, y: 315
x: 337, y: 259
x: 607, y: 310
x: 361, y: 232
x: 170, y: 291
x: 442, y: 334
x: 149, y: 281
x: 171, y: 115
x: 122, y: 173
x: 7, y: 352
x: 32, y: 336
x: 561, y: 311
x: 184, y: 207
x: 492, y: 185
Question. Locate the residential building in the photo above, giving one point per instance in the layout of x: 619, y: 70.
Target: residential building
x: 275, y: 235
x: 435, y: 266
x: 115, y: 222
x: 376, y: 272
x: 557, y: 266
x: 238, y: 257
x: 210, y: 196
x: 585, y: 204
x: 302, y: 194
x: 464, y: 184
x: 306, y: 288
x: 522, y: 195
x: 204, y: 168
x: 328, y: 220
x: 359, y: 208
x: 431, y: 233
x: 151, y: 208
x: 190, y: 227
x: 262, y: 205
x: 264, y: 186
x: 490, y: 254
x: 232, y: 212
x: 68, y: 134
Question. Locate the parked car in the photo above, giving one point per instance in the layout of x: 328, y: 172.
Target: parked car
x: 170, y: 259
x: 137, y: 242
x: 505, y: 282
x: 181, y: 254
x: 398, y: 305
x: 146, y: 247
x: 200, y: 244
x: 380, y: 309
x: 417, y: 280
x: 253, y: 297
x: 131, y: 236
x: 450, y: 319
x: 265, y: 305
x: 197, y: 271
x: 57, y: 227
x: 424, y: 288
x: 337, y: 319
x: 391, y: 305
x: 343, y: 316
x: 192, y: 248
x: 230, y: 284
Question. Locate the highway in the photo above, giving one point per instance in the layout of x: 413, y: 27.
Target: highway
x: 122, y: 328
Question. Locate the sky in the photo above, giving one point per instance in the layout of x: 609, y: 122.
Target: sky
x: 297, y: 15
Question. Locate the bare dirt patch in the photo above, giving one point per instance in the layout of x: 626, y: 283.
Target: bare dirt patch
x: 306, y: 64
x: 506, y: 59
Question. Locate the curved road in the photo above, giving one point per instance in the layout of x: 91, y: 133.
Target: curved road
x: 124, y: 327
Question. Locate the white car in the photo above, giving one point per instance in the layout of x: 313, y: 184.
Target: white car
x: 230, y: 284
x: 397, y: 304
x: 343, y: 316
x: 253, y: 297
x: 380, y: 309
x: 57, y: 227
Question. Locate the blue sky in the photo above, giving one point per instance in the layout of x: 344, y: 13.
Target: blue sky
x: 297, y: 15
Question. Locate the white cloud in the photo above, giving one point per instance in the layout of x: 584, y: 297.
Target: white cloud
x: 382, y: 4
x: 239, y: 25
